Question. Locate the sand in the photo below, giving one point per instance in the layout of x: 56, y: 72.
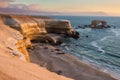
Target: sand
x: 64, y: 64
x: 12, y: 68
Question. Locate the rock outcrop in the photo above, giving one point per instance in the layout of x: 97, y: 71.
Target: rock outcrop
x: 33, y: 28
x: 37, y: 29
x: 99, y: 24
x: 12, y: 47
x: 29, y: 27
x: 61, y: 27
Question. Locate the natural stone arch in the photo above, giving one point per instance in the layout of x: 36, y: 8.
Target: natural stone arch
x: 95, y: 24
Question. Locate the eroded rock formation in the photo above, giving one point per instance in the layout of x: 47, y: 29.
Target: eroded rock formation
x: 37, y: 29
x: 99, y: 24
x: 12, y: 47
x: 61, y: 27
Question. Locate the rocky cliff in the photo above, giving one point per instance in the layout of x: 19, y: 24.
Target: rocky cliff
x: 60, y: 27
x: 13, y: 46
x: 36, y: 27
x: 11, y: 41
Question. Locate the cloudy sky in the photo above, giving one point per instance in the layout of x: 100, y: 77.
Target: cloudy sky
x: 108, y: 7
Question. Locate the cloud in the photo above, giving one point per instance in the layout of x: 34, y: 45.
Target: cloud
x: 34, y: 7
x: 7, y: 0
x: 6, y: 7
x: 18, y: 6
x: 5, y: 3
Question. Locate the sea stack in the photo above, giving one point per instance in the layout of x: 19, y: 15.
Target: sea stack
x: 99, y: 24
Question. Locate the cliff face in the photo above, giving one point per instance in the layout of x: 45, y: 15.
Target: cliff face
x: 58, y: 26
x: 11, y: 41
x: 13, y: 46
x: 29, y: 27
x: 61, y: 27
x: 35, y: 28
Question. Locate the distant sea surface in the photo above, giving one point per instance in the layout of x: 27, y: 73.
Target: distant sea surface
x: 101, y: 47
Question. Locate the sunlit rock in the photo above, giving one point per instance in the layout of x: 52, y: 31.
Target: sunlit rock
x: 61, y: 27
x: 99, y: 24
x: 11, y: 41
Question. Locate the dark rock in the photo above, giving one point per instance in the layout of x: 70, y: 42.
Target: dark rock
x: 57, y: 49
x: 59, y: 72
x: 45, y: 47
x: 76, y: 45
x: 60, y: 53
x: 87, y: 36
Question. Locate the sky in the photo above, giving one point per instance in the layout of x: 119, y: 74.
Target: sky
x: 108, y: 7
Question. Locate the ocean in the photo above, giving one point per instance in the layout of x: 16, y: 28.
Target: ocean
x: 101, y: 47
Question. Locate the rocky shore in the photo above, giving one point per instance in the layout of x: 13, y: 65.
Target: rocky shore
x: 64, y: 64
x: 27, y: 39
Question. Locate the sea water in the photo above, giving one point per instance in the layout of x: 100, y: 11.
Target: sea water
x: 101, y: 47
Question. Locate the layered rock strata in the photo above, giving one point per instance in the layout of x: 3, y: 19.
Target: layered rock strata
x: 11, y: 41
x: 61, y: 27
x: 37, y: 29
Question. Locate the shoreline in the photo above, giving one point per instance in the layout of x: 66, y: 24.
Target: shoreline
x: 62, y: 63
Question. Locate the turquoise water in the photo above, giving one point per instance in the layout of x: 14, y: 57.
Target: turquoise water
x: 102, y: 46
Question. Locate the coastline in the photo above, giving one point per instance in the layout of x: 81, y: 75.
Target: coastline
x: 62, y: 63
x: 31, y: 33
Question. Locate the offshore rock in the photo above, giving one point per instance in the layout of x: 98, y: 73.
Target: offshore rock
x: 99, y: 24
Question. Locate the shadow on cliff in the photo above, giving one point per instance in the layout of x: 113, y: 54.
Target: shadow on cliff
x: 8, y: 20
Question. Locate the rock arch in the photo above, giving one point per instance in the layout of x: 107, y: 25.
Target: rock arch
x: 98, y: 24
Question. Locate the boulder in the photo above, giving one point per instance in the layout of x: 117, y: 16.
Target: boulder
x: 54, y: 39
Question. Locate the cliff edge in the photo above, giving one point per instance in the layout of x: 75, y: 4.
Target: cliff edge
x: 12, y: 47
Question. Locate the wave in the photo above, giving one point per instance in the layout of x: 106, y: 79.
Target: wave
x: 93, y: 43
x: 116, y: 32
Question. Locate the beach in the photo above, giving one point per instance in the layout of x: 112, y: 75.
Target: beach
x: 62, y: 63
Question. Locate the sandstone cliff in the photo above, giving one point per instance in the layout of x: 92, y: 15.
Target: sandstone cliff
x: 11, y: 41
x: 12, y: 47
x: 36, y: 28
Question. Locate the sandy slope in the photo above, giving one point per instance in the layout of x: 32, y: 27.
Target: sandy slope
x: 14, y: 69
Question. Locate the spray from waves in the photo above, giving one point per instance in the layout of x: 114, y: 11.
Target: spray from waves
x: 93, y: 43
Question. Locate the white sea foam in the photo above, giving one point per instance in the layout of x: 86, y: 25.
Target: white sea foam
x: 67, y: 48
x: 104, y: 38
x: 97, y: 46
x: 116, y: 32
